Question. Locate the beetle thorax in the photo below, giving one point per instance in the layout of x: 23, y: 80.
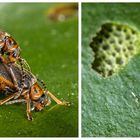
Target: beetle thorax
x: 36, y: 92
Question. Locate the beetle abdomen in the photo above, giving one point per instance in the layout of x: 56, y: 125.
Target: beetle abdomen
x: 5, y: 73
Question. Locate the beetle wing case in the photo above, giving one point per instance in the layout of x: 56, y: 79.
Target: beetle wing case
x: 29, y: 78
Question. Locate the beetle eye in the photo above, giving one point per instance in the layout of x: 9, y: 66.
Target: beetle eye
x: 11, y: 42
x: 42, y: 99
x: 14, y: 55
x: 42, y: 102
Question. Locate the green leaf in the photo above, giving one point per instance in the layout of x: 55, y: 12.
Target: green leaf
x: 51, y: 50
x: 111, y: 105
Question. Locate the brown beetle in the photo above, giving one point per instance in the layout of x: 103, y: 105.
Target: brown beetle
x: 33, y: 94
x: 9, y: 49
x: 10, y: 54
x: 62, y: 12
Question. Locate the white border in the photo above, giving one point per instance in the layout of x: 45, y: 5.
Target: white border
x: 80, y: 68
x: 70, y: 1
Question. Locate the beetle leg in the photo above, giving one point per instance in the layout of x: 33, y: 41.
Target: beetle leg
x: 13, y: 76
x: 15, y: 101
x: 57, y: 100
x: 7, y: 98
x: 14, y: 81
x: 28, y: 111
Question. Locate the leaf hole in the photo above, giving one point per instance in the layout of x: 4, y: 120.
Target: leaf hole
x: 119, y: 61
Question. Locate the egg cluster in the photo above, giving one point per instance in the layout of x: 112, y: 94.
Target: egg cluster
x: 114, y: 45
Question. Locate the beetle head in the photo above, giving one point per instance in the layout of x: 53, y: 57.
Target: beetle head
x: 9, y: 47
x: 14, y: 55
x: 39, y: 97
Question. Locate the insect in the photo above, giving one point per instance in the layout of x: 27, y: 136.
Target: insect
x: 35, y: 96
x: 9, y: 54
x: 9, y: 49
x: 62, y: 12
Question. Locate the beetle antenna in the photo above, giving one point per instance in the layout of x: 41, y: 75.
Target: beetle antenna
x: 23, y: 74
x: 42, y: 82
x: 26, y: 64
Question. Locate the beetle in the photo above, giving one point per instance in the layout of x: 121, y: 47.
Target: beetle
x: 9, y: 49
x: 62, y: 12
x: 34, y: 95
x: 9, y: 54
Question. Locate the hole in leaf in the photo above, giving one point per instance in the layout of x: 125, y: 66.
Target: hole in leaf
x: 119, y: 61
x: 130, y: 48
x: 112, y: 42
x: 106, y: 47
